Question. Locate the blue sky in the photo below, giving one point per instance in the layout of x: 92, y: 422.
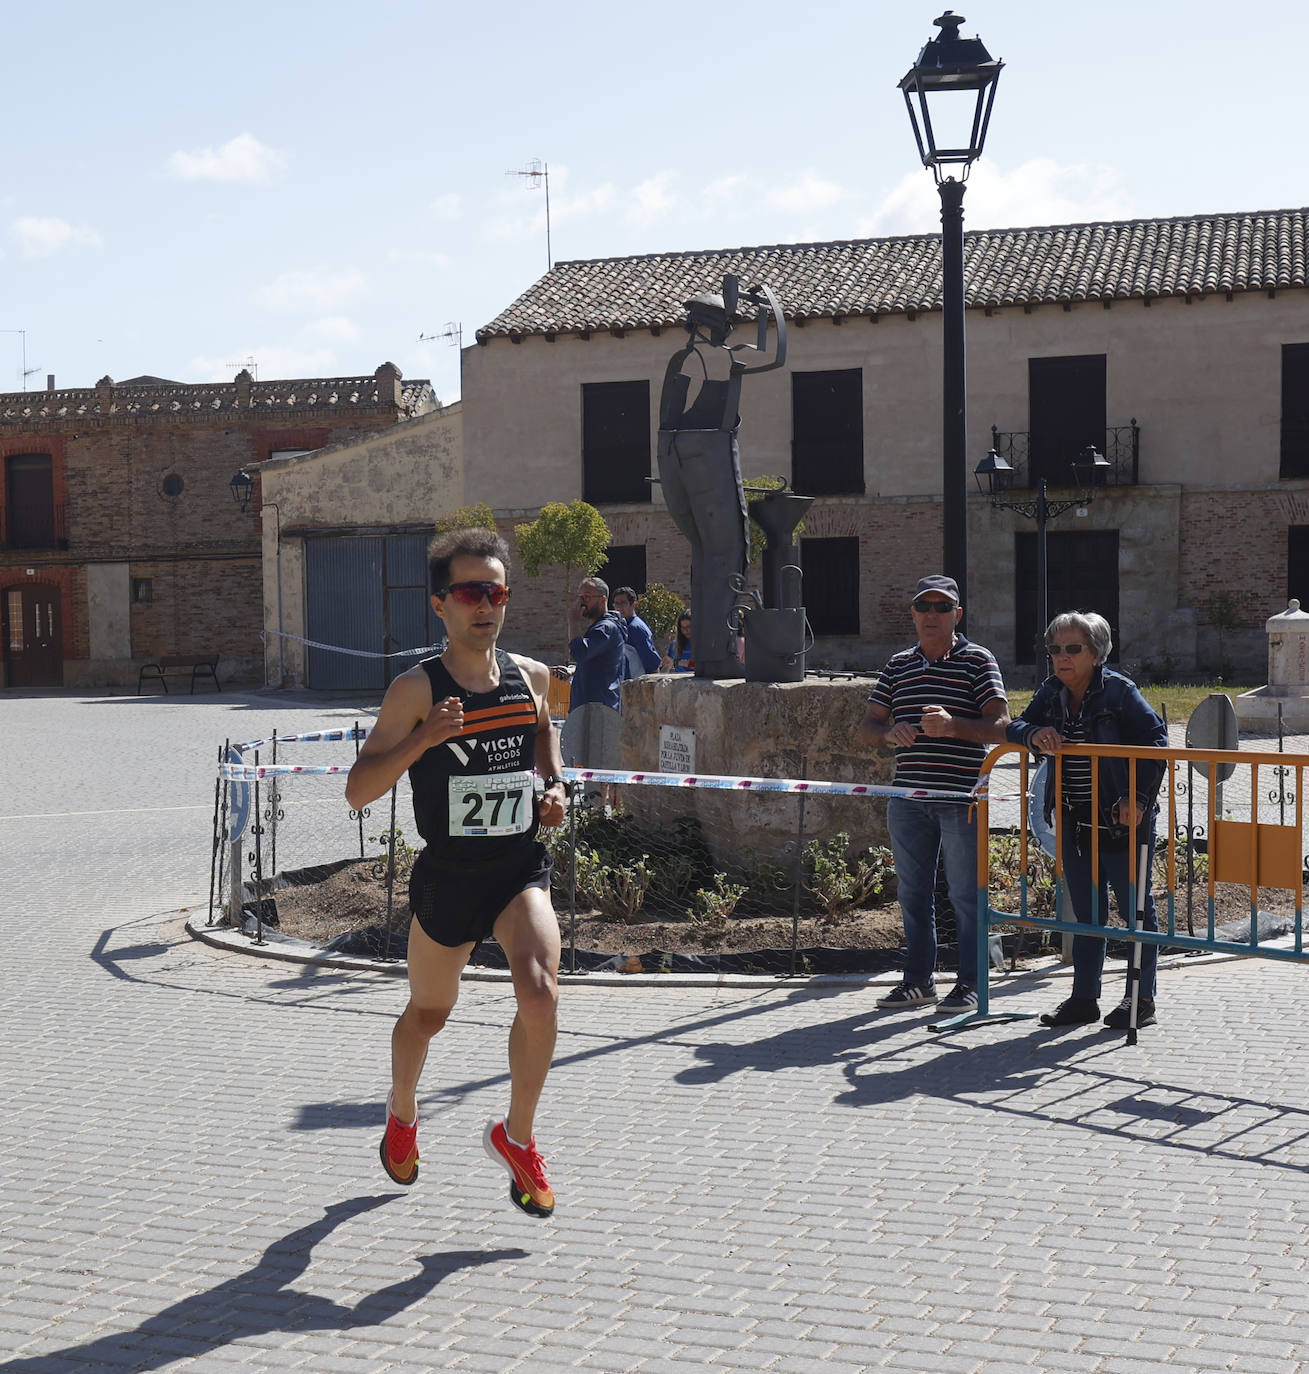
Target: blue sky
x: 315, y: 186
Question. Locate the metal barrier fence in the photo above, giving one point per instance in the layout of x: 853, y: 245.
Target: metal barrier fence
x: 1239, y: 847
x: 675, y: 847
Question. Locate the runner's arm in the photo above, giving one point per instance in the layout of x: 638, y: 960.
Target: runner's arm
x: 408, y: 724
x: 549, y: 758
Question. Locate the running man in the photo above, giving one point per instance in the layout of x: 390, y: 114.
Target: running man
x: 468, y: 726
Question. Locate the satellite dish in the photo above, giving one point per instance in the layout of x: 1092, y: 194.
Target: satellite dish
x: 1213, y: 726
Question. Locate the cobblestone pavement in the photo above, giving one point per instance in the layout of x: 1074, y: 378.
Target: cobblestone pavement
x: 775, y: 1178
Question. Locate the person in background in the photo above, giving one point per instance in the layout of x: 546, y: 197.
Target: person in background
x: 1084, y: 702
x: 636, y: 631
x: 596, y: 646
x: 679, y: 658
x: 940, y: 705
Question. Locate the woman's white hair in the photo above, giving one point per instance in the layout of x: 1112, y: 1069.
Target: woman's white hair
x: 1092, y: 627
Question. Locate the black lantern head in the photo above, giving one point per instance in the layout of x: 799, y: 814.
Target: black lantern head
x: 242, y: 485
x: 960, y: 76
x: 1091, y: 468
x: 994, y: 474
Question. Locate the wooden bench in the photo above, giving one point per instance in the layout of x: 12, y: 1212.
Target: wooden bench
x: 199, y: 664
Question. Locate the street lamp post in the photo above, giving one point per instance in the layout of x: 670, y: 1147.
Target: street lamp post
x: 993, y: 475
x: 242, y: 484
x: 948, y: 69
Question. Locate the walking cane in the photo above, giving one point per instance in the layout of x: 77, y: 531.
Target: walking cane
x: 1134, y: 972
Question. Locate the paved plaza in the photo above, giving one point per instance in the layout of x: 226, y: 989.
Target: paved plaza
x: 773, y: 1177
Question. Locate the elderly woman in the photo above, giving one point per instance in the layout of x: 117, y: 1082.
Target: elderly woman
x: 1087, y: 703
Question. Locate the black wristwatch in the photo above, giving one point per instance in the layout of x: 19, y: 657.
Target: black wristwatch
x: 555, y: 778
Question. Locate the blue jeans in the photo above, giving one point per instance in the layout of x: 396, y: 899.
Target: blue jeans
x: 1088, y: 951
x: 920, y: 832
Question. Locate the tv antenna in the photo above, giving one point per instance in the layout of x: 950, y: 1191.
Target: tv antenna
x: 250, y: 365
x: 538, y: 173
x: 452, y: 333
x: 26, y: 371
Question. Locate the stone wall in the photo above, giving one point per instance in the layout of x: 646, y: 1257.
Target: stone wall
x: 749, y: 729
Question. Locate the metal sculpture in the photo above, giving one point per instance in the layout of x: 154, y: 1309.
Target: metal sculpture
x: 700, y: 462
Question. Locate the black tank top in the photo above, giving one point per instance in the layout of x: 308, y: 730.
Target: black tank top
x: 473, y: 798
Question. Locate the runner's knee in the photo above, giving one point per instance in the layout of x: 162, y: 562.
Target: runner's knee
x: 538, y: 994
x: 426, y: 1021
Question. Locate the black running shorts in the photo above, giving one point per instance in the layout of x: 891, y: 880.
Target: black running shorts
x: 460, y: 904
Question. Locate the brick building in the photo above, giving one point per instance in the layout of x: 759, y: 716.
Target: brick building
x: 120, y: 542
x: 1178, y: 347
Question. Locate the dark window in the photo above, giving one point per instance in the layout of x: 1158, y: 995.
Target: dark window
x: 615, y: 442
x: 29, y: 501
x: 1081, y: 575
x: 831, y: 585
x: 827, y: 432
x: 174, y: 484
x: 625, y: 568
x: 143, y: 590
x: 1066, y: 411
x: 1297, y: 564
x: 1295, y: 410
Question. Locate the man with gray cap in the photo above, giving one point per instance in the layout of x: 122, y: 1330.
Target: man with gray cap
x: 940, y: 705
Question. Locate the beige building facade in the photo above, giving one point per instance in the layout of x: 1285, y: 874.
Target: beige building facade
x: 344, y: 529
x: 1175, y: 347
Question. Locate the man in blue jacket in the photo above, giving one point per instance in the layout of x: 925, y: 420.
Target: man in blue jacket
x: 635, y: 630
x: 596, y: 646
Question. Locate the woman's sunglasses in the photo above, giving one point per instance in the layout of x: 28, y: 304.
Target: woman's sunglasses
x: 1072, y: 650
x: 471, y: 593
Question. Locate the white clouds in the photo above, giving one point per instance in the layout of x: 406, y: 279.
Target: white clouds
x: 651, y: 199
x: 314, y: 290
x: 805, y: 195
x: 724, y: 189
x: 1040, y: 191
x: 42, y: 238
x: 242, y: 160
x: 334, y: 328
x: 447, y: 208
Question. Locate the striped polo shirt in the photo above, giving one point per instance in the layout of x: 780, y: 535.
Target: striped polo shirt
x: 963, y: 682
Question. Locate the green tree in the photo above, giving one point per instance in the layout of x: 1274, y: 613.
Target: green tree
x: 659, y: 608
x: 573, y: 537
x: 757, y: 539
x: 478, y: 517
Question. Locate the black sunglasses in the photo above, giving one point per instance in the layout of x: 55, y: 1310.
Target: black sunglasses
x: 471, y: 593
x: 1072, y: 650
x: 937, y: 607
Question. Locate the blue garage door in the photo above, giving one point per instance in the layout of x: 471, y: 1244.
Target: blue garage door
x: 366, y: 592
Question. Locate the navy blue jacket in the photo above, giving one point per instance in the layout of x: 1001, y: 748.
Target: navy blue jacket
x: 599, y: 657
x: 1115, y: 713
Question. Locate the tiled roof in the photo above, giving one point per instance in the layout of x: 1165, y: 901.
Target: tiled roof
x: 159, y: 397
x: 1116, y: 260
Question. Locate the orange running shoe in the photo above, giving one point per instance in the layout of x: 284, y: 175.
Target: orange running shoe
x: 530, y: 1190
x: 399, y: 1147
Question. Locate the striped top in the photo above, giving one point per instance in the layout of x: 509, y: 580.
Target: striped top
x: 965, y: 681
x: 1076, y: 769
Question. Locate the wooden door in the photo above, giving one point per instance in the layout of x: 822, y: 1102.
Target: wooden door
x: 32, y: 635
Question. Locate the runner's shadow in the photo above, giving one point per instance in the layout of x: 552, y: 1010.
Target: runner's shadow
x: 261, y: 1301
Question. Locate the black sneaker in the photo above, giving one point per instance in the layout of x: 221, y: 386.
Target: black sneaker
x: 1076, y: 1011
x: 908, y: 995
x: 1121, y: 1016
x: 961, y: 997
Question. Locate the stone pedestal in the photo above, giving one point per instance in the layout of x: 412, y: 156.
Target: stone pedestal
x: 1288, y: 676
x: 756, y: 729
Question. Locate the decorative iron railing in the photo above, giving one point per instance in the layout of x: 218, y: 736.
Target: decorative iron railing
x: 1122, y: 448
x: 46, y: 529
